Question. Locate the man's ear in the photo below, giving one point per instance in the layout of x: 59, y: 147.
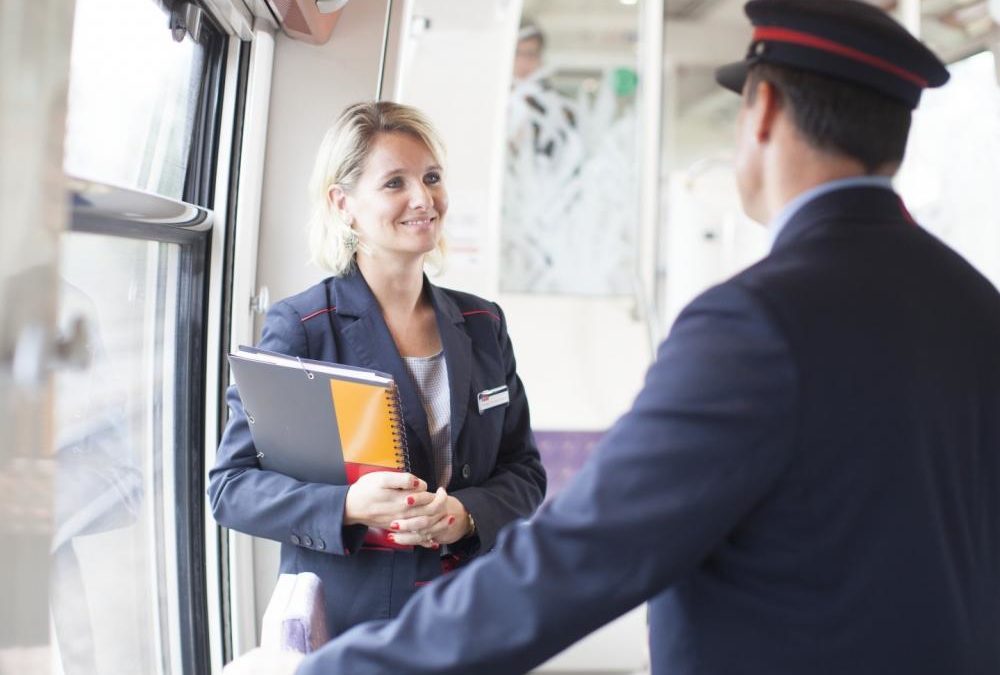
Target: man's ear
x: 764, y: 111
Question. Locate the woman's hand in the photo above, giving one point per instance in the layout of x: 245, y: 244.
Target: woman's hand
x: 442, y: 521
x: 378, y: 499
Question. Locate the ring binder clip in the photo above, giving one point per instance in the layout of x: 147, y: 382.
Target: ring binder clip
x: 303, y: 367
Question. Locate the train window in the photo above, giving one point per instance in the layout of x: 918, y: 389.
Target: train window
x: 133, y: 97
x: 114, y: 435
x: 125, y: 597
x: 128, y: 592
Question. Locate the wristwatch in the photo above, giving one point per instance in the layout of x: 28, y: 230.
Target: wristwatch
x: 471, y: 526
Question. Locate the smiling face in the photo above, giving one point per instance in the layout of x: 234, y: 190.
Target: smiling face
x: 399, y: 202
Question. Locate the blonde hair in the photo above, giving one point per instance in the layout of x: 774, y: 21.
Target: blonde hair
x: 340, y: 161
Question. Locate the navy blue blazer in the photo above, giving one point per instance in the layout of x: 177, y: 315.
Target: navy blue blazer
x: 809, y: 482
x: 497, y: 473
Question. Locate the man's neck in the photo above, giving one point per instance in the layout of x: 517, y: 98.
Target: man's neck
x: 801, y: 172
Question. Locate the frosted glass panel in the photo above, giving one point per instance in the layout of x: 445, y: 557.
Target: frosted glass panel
x: 571, y: 184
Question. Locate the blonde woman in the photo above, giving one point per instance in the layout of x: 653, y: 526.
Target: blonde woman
x: 380, y: 205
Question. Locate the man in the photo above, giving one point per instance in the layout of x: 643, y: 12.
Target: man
x: 809, y: 481
x: 539, y: 118
x: 543, y: 171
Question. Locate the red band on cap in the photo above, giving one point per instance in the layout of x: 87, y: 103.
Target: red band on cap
x: 807, y: 40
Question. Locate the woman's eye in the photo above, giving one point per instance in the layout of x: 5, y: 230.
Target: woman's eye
x: 432, y: 178
x: 394, y: 183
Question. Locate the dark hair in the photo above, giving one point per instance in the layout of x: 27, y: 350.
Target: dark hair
x: 529, y: 30
x: 838, y: 116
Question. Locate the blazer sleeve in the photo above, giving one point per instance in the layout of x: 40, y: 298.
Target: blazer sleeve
x: 708, y: 437
x: 268, y: 504
x: 517, y: 483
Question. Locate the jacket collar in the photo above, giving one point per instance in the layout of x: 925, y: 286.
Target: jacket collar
x: 352, y: 295
x: 850, y: 205
x: 370, y: 338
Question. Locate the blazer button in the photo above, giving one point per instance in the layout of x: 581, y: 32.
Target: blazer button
x: 320, y: 544
x: 466, y: 471
x: 295, y: 539
x: 307, y: 540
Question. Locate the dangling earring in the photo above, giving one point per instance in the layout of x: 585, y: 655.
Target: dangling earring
x: 351, y: 240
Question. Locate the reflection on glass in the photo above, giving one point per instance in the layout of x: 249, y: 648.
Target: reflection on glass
x: 132, y: 94
x: 570, y: 206
x: 107, y: 564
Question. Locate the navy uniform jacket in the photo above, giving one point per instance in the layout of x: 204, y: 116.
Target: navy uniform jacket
x: 496, y: 471
x: 809, y: 482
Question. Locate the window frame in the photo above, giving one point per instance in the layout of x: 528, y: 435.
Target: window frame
x: 99, y: 208
x: 141, y: 216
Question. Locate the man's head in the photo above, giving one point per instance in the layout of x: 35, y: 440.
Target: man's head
x: 837, y: 117
x: 530, y: 44
x: 838, y: 76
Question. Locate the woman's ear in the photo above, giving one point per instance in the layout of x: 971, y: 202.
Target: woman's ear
x: 337, y: 197
x: 338, y: 200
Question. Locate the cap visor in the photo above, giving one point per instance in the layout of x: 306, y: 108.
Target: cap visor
x: 733, y: 76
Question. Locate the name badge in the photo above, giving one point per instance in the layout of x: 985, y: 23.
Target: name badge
x: 491, y: 398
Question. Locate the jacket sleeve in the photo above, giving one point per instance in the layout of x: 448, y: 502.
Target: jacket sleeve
x: 516, y: 486
x: 708, y: 437
x: 267, y: 504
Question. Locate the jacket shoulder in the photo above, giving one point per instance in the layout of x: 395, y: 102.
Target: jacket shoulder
x: 312, y: 302
x: 469, y: 305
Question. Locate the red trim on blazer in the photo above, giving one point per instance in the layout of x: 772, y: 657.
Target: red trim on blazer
x: 312, y: 315
x: 822, y: 44
x: 906, y: 211
x: 481, y: 311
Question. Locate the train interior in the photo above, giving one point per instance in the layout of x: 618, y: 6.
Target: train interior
x: 154, y: 158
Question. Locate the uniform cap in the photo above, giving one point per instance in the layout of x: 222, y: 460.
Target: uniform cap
x: 845, y: 39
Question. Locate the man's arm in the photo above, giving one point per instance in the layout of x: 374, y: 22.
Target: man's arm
x: 705, y: 440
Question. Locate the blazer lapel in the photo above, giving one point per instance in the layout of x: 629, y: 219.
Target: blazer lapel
x: 457, y: 354
x: 369, y: 338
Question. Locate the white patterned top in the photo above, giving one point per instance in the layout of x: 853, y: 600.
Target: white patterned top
x: 430, y: 374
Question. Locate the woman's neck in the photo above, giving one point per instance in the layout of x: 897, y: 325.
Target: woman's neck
x: 397, y: 286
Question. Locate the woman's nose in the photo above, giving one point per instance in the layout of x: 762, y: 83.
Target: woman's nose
x: 420, y: 196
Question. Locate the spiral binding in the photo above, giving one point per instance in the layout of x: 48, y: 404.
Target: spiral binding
x: 395, y: 405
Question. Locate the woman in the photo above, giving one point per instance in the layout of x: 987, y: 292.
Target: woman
x: 380, y: 206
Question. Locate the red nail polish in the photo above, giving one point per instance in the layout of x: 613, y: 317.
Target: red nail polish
x: 436, y: 546
x: 390, y: 536
x: 416, y: 483
x: 411, y: 501
x: 451, y: 519
x: 395, y: 526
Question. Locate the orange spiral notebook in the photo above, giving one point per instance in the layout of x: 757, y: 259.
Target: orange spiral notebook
x: 321, y: 422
